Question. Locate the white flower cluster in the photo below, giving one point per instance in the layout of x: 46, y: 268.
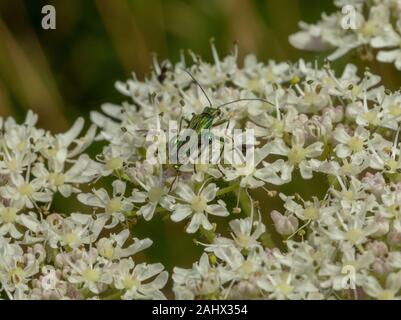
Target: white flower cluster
x: 366, y: 25
x: 50, y: 255
x: 344, y: 130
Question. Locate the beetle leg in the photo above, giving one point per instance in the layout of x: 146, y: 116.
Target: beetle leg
x: 219, y: 123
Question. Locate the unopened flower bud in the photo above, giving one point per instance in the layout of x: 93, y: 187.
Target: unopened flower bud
x: 237, y: 210
x: 283, y: 224
x: 394, y: 238
x: 378, y: 248
x: 336, y: 114
x: 380, y: 267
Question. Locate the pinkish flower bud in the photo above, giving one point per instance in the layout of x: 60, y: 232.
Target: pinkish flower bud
x: 394, y: 238
x: 378, y: 248
x: 283, y: 224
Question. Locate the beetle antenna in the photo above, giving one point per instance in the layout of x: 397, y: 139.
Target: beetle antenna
x: 250, y: 99
x: 199, y: 85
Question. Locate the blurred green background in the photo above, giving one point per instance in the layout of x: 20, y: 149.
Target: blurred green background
x: 64, y: 73
x: 67, y: 72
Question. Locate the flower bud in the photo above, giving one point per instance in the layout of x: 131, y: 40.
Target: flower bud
x: 336, y: 114
x: 378, y: 248
x: 283, y: 224
x: 379, y: 266
x: 237, y: 210
x: 394, y: 238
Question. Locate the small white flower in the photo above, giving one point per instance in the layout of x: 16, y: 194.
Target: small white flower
x: 112, y: 247
x: 90, y: 272
x: 197, y: 207
x: 10, y: 217
x: 202, y: 280
x: 113, y: 207
x: 350, y: 144
x: 26, y: 192
x: 389, y: 292
x: 297, y: 153
x: 136, y: 280
x: 155, y: 194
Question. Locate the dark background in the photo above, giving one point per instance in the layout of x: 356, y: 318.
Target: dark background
x: 67, y: 72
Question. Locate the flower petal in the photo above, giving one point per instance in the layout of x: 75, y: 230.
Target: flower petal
x: 209, y: 192
x: 181, y: 211
x: 217, y: 210
x: 185, y: 192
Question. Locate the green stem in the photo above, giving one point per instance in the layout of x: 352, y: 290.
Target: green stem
x: 228, y: 189
x: 245, y: 204
x: 209, y: 235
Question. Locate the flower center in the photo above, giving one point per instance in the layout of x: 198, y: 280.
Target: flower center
x: 311, y: 213
x: 297, y: 154
x: 354, y: 235
x: 371, y: 117
x: 114, y: 164
x: 108, y: 252
x: 106, y: 248
x: 70, y: 238
x: 8, y: 214
x: 91, y: 275
x: 199, y: 204
x: 368, y: 29
x: 244, y: 240
x: 25, y: 189
x: 278, y: 126
x: 21, y: 146
x: 57, y: 179
x: 247, y: 267
x: 285, y: 288
x: 355, y: 144
x: 295, y: 79
x: 130, y: 283
x: 155, y: 194
x: 114, y: 205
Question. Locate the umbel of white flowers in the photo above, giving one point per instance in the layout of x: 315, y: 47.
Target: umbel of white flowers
x: 368, y: 26
x: 308, y: 121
